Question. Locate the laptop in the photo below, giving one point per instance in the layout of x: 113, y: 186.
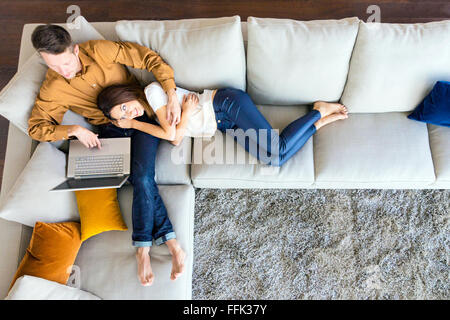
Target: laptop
x: 94, y: 168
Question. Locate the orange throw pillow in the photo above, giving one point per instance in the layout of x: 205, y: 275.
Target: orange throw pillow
x: 52, y: 251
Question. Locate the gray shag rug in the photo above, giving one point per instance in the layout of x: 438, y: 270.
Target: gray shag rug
x: 321, y: 244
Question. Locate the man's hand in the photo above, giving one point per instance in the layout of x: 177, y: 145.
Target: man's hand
x: 173, y: 113
x: 86, y: 137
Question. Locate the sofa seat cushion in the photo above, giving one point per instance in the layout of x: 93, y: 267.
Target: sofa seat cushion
x: 440, y: 151
x: 212, y: 170
x: 172, y: 162
x: 373, y: 151
x: 107, y: 261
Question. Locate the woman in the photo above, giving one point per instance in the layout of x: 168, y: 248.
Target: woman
x: 202, y: 115
x: 150, y: 220
x: 222, y: 109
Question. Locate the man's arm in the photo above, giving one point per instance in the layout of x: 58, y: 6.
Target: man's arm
x: 45, y: 119
x: 44, y: 124
x: 134, y: 55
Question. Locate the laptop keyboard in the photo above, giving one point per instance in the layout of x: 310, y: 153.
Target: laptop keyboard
x: 99, y: 165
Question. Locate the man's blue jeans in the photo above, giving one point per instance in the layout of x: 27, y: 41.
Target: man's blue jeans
x: 149, y: 215
x: 235, y: 110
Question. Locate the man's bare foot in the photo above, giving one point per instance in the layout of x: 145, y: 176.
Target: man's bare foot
x: 178, y: 257
x: 327, y: 108
x: 331, y: 118
x: 145, y: 273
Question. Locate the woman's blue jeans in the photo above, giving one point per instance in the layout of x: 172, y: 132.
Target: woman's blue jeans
x: 235, y: 110
x: 149, y: 215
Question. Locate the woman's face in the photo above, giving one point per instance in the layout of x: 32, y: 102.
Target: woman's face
x: 127, y: 110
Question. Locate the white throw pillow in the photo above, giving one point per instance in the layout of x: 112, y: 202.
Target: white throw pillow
x: 440, y: 150
x: 298, y: 62
x: 30, y: 200
x: 34, y: 288
x: 204, y: 53
x: 18, y: 97
x: 394, y: 66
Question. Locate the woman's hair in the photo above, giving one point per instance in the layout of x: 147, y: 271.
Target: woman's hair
x: 120, y: 93
x: 51, y: 38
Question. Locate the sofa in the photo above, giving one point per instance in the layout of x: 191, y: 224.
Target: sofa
x: 379, y: 71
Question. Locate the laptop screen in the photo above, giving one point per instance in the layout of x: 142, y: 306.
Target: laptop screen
x: 95, y: 183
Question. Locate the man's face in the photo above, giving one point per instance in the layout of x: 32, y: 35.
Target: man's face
x: 66, y: 64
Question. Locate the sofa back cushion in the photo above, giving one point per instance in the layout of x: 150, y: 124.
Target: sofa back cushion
x: 394, y: 66
x: 298, y: 62
x: 204, y: 53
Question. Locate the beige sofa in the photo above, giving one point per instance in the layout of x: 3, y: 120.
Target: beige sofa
x: 376, y: 147
x: 106, y: 262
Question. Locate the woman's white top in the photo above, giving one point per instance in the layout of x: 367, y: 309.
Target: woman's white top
x: 202, y: 122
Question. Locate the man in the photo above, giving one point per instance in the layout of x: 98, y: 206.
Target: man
x: 76, y: 74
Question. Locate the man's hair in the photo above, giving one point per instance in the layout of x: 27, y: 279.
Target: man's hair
x: 117, y: 94
x: 51, y: 38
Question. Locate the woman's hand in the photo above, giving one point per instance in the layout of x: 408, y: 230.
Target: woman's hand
x: 190, y: 102
x: 124, y: 123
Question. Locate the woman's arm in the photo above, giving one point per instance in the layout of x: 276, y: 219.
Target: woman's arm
x: 189, y: 104
x: 155, y: 130
x: 181, y: 128
x: 152, y: 129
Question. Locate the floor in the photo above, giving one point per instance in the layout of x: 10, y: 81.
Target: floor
x: 15, y: 13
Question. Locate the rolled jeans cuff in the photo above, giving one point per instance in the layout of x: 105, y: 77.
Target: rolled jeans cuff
x: 164, y: 238
x: 141, y: 244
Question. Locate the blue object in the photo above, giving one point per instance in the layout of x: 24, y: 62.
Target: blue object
x: 435, y: 108
x: 149, y: 215
x: 235, y: 110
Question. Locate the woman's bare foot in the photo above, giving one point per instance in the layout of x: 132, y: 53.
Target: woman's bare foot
x: 178, y: 257
x: 331, y: 118
x: 145, y: 273
x: 328, y: 108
